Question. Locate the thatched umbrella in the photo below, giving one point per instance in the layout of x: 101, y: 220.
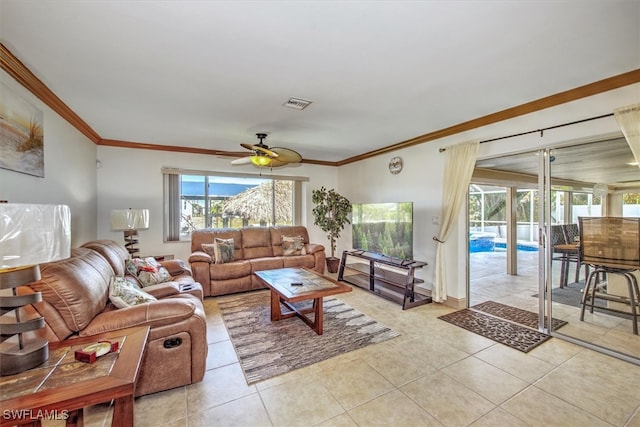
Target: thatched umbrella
x: 256, y: 203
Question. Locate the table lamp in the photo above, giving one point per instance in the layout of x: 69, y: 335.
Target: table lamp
x: 29, y: 235
x: 130, y: 221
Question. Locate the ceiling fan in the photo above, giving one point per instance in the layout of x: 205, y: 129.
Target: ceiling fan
x: 264, y: 156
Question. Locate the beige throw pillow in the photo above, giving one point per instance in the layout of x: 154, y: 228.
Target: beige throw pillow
x: 292, y: 245
x: 209, y: 249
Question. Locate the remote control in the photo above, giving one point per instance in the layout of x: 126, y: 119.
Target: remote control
x: 296, y: 283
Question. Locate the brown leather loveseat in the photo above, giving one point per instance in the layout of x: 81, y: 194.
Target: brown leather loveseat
x: 75, y: 302
x: 254, y: 249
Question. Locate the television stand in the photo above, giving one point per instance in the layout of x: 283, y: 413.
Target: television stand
x: 396, y: 282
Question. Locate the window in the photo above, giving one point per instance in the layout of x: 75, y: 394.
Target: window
x: 197, y: 199
x: 631, y: 205
x: 585, y: 204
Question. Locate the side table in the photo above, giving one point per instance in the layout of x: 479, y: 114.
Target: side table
x: 63, y: 386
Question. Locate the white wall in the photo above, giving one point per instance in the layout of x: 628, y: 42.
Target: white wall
x: 420, y: 182
x: 421, y: 179
x: 132, y: 178
x: 69, y: 175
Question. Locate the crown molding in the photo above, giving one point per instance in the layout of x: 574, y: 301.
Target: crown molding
x: 16, y: 69
x: 604, y: 85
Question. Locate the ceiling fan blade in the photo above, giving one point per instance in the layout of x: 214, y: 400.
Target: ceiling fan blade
x: 277, y: 163
x: 287, y: 155
x: 233, y: 153
x: 262, y: 149
x: 241, y: 161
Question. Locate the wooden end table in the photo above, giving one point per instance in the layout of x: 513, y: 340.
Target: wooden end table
x: 63, y: 386
x: 314, y: 287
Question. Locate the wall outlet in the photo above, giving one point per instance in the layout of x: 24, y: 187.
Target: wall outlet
x: 435, y: 220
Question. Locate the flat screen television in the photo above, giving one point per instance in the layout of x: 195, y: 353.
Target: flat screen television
x: 384, y: 228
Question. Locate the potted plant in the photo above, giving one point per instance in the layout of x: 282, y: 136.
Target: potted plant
x: 331, y: 213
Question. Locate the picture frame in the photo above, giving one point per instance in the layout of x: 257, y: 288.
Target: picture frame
x: 21, y: 134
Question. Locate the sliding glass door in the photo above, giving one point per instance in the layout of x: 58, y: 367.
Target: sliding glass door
x: 560, y: 185
x: 577, y: 184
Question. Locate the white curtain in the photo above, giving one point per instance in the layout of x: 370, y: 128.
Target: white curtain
x: 459, y: 164
x: 628, y: 119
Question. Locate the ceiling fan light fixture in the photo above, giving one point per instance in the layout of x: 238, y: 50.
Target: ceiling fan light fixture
x: 260, y: 160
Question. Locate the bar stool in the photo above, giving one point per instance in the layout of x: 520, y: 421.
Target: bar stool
x: 611, y: 245
x: 590, y: 293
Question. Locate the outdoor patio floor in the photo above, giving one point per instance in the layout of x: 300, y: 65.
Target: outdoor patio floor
x: 489, y: 282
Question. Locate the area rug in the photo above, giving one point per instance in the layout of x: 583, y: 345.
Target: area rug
x: 572, y: 295
x: 515, y: 314
x: 499, y: 330
x: 266, y: 349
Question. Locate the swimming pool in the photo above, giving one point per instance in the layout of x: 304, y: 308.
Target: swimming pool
x: 486, y: 243
x: 526, y: 248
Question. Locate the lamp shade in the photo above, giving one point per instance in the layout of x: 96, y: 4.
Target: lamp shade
x: 32, y: 234
x: 130, y: 219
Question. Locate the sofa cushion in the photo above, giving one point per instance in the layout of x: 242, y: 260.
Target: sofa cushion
x: 292, y: 245
x: 112, y: 251
x: 299, y: 261
x: 269, y: 263
x: 123, y: 294
x: 77, y: 286
x: 256, y: 243
x: 231, y: 270
x: 223, y: 250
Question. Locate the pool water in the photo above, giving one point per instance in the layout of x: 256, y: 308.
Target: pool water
x: 484, y: 244
x: 527, y: 248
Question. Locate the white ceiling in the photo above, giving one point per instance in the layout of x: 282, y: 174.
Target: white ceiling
x: 211, y: 74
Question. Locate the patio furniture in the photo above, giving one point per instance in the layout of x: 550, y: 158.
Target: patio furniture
x: 611, y: 245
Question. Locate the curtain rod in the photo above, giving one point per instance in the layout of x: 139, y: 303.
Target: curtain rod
x: 541, y: 130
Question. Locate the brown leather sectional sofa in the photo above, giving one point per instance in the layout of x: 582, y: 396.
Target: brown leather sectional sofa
x: 75, y: 302
x: 255, y: 249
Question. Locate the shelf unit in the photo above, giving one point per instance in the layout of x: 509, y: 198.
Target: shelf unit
x: 389, y: 277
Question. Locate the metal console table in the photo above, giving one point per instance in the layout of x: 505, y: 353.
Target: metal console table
x: 366, y: 270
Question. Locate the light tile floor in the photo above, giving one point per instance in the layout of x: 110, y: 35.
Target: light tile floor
x: 489, y: 282
x: 434, y: 374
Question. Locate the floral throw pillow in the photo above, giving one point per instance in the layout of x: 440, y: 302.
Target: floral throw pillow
x: 123, y: 294
x: 224, y: 250
x: 148, y: 271
x: 136, y: 265
x: 292, y: 245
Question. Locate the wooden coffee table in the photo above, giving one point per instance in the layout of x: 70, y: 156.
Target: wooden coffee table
x: 62, y: 386
x: 314, y: 287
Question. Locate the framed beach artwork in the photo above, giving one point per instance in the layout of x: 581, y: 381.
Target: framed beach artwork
x: 21, y: 134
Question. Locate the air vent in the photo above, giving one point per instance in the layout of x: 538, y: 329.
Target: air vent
x: 297, y: 103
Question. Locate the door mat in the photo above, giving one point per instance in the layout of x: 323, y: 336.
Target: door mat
x: 266, y: 349
x: 499, y: 330
x: 514, y: 314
